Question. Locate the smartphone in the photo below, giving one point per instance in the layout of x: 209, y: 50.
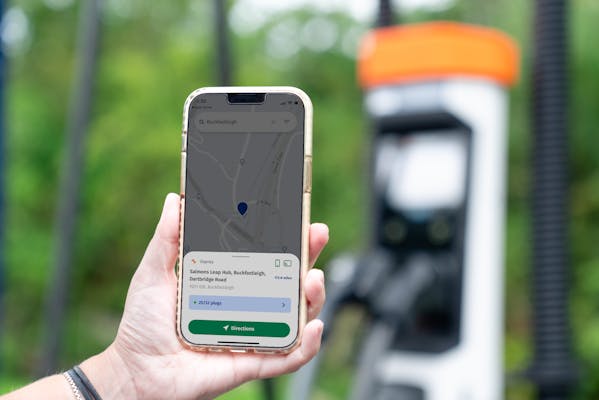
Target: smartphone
x: 245, y: 210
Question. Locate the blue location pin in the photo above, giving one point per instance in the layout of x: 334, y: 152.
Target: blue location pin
x: 242, y: 207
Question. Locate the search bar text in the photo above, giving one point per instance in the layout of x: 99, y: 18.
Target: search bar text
x: 259, y: 121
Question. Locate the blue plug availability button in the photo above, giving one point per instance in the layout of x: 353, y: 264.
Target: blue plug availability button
x: 240, y: 303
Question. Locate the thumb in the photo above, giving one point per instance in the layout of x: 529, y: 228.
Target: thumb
x: 161, y: 253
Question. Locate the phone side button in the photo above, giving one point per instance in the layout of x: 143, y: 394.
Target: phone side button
x: 183, y: 171
x: 184, y: 142
x: 308, y: 175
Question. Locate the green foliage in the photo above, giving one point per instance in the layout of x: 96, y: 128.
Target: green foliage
x: 151, y: 58
x: 149, y: 62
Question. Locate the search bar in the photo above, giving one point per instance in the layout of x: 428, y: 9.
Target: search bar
x: 259, y: 121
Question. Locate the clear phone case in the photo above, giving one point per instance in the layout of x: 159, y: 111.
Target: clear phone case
x: 306, y: 193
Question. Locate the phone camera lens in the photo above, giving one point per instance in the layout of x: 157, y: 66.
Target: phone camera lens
x: 296, y: 102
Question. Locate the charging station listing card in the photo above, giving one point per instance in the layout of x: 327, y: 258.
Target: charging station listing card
x: 222, y: 290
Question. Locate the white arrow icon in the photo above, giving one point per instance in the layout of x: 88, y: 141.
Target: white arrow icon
x: 226, y: 327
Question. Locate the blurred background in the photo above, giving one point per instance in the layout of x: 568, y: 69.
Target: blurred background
x: 150, y: 58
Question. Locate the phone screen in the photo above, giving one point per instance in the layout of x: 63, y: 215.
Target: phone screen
x: 243, y: 220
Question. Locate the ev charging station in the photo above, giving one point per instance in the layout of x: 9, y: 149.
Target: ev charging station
x: 432, y: 278
x: 436, y: 96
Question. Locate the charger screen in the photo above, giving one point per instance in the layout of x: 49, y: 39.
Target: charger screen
x: 423, y: 171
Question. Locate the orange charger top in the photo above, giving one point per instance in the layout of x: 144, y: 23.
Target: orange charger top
x: 436, y: 50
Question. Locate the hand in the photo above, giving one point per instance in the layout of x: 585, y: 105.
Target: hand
x: 147, y: 360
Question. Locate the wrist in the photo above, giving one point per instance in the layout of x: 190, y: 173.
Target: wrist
x: 110, y: 375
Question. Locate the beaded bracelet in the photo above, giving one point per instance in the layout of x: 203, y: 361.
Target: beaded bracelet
x: 81, y: 385
x: 73, y: 386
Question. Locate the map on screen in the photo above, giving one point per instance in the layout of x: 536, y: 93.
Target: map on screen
x: 244, y: 178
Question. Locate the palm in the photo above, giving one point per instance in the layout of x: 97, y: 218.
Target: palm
x: 148, y: 344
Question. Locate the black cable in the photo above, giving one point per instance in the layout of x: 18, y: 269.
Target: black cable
x: 78, y: 120
x: 392, y: 307
x: 554, y: 367
x: 223, y: 54
x: 2, y: 183
x: 385, y: 15
x: 268, y: 387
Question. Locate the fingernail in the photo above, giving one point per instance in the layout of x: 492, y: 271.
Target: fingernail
x: 321, y: 276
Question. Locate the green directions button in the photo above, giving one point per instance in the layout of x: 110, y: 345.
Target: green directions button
x: 238, y: 328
